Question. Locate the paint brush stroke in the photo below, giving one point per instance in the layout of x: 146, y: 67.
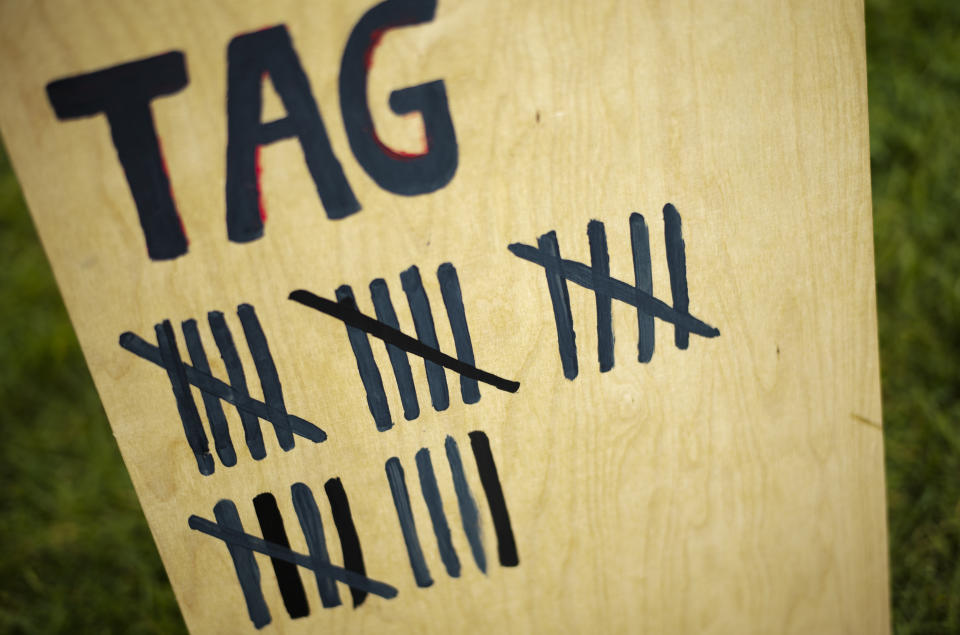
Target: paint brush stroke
x: 431, y: 496
x: 380, y: 294
x: 427, y: 334
x: 506, y: 544
x: 353, y: 317
x: 349, y: 540
x: 453, y: 301
x: 401, y: 500
x: 305, y: 506
x: 469, y: 514
x: 367, y: 367
x: 288, y: 578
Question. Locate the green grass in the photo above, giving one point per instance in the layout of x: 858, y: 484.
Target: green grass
x: 77, y: 556
x: 913, y: 52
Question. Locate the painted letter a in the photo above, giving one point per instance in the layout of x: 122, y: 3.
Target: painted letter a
x: 251, y: 57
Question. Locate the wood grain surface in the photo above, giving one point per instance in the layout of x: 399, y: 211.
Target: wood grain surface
x: 733, y: 487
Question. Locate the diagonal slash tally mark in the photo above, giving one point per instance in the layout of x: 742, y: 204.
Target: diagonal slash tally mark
x: 235, y: 537
x: 582, y: 275
x: 352, y: 317
x: 596, y: 277
x: 276, y: 544
x: 213, y: 386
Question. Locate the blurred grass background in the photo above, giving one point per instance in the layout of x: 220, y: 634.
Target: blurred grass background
x: 913, y: 61
x: 77, y: 556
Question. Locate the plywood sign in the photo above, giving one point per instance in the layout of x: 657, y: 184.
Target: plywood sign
x: 473, y: 316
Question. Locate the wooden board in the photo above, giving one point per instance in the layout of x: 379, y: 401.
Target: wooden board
x: 729, y: 480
